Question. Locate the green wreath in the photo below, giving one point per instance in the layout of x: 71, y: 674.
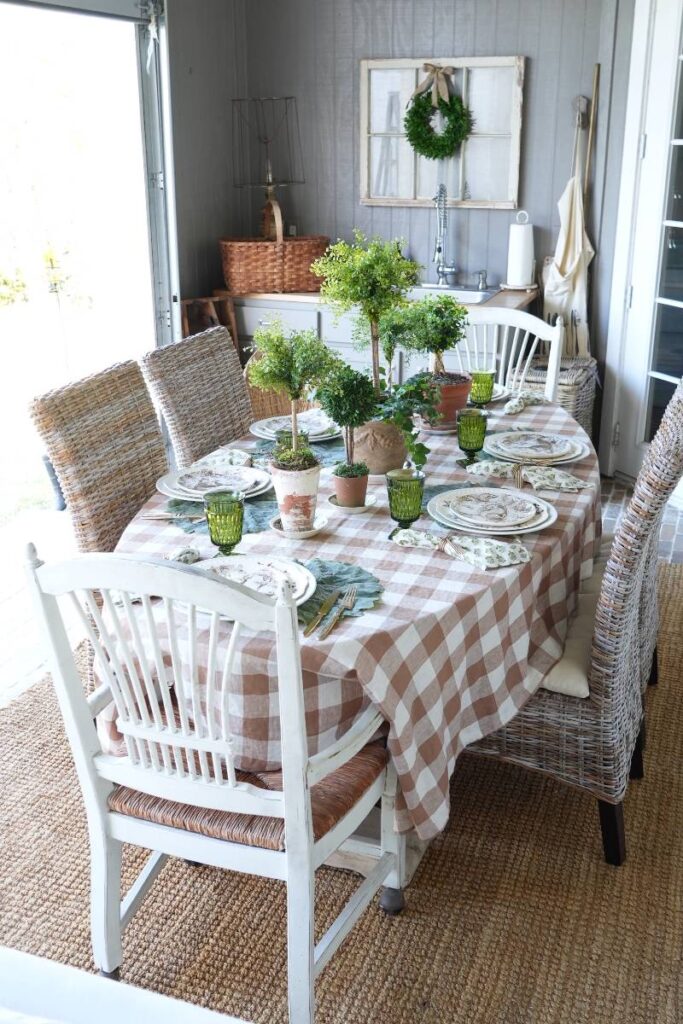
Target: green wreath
x: 420, y: 130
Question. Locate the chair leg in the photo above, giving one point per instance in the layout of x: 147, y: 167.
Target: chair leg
x: 654, y: 670
x: 613, y: 832
x: 392, y: 900
x: 300, y: 943
x: 637, y: 770
x: 105, y: 903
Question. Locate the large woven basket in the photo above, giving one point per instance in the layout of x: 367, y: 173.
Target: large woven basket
x: 575, y: 388
x: 281, y: 265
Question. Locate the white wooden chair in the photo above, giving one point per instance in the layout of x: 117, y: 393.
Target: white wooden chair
x: 508, y: 340
x: 178, y: 791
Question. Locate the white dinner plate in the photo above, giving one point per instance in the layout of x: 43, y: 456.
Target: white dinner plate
x: 578, y: 451
x: 525, y: 445
x: 262, y: 574
x: 197, y: 480
x: 500, y: 392
x: 546, y: 517
x: 225, y: 457
x: 486, y: 507
x: 169, y: 490
x: 316, y: 423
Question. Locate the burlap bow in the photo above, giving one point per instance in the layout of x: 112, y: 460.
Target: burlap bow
x: 438, y: 79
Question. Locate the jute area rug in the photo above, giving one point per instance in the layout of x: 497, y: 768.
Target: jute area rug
x: 512, y: 918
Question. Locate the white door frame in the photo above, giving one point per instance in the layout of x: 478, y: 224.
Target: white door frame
x: 645, y: 162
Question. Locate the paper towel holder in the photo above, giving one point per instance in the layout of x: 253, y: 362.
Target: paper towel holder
x: 524, y: 214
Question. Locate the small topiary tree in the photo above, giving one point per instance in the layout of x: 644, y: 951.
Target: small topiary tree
x: 292, y: 364
x: 371, y: 274
x: 434, y: 324
x: 348, y: 397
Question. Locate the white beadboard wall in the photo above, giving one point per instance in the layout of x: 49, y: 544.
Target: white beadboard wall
x: 311, y: 49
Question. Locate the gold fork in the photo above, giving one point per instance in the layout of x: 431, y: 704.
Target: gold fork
x: 346, y: 604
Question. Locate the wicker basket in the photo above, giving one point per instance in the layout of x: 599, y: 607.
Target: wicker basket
x: 575, y: 389
x: 281, y: 265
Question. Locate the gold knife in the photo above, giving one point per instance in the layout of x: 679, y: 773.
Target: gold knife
x: 325, y: 607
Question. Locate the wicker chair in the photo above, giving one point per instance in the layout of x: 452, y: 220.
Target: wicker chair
x: 102, y: 436
x: 596, y: 743
x: 201, y: 392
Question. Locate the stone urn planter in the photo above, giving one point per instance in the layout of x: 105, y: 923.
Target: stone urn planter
x: 380, y: 445
x: 455, y: 390
x: 296, y: 491
x: 350, y: 491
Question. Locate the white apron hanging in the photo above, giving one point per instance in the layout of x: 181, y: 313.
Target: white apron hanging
x: 565, y: 276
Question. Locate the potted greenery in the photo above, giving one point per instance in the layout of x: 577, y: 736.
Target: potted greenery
x: 373, y: 277
x: 433, y: 325
x: 348, y: 397
x: 293, y: 364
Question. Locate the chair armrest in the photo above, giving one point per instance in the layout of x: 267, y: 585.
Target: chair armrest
x: 346, y: 747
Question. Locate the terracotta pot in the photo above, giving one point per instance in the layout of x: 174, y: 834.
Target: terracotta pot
x: 350, y: 490
x: 454, y: 395
x: 379, y: 445
x: 296, y: 491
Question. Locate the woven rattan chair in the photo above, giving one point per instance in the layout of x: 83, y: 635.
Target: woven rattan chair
x: 199, y: 387
x: 596, y: 743
x: 178, y: 791
x: 102, y: 436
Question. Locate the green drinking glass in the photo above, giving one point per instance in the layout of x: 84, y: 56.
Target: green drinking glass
x: 471, y: 432
x: 481, y: 391
x: 405, y: 488
x: 224, y: 512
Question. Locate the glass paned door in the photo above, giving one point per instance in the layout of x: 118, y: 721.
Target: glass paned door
x: 666, y: 360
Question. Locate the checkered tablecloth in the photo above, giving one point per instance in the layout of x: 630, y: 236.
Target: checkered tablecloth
x: 449, y: 655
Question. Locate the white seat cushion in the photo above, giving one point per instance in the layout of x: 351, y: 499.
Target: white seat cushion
x: 570, y: 674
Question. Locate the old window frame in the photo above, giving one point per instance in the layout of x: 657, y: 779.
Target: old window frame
x: 464, y: 64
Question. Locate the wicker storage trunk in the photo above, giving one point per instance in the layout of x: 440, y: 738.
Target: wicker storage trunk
x: 575, y: 389
x: 261, y: 265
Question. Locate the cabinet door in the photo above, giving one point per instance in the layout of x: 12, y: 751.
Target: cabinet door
x: 249, y: 318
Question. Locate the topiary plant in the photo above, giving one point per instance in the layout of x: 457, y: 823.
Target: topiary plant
x: 293, y: 364
x: 348, y: 397
x: 371, y: 274
x: 351, y: 469
x: 434, y: 324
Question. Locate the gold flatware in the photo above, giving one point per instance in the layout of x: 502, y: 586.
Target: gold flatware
x: 170, y: 516
x: 346, y: 604
x: 325, y: 607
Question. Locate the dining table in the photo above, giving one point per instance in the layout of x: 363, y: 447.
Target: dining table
x: 449, y: 654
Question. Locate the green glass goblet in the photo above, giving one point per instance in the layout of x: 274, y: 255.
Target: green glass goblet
x: 481, y: 391
x: 224, y: 512
x: 405, y: 488
x: 471, y: 433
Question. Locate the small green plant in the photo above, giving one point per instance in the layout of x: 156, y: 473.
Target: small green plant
x: 348, y: 397
x: 292, y: 364
x: 347, y: 469
x: 289, y: 458
x: 371, y: 274
x: 434, y: 324
x: 419, y: 394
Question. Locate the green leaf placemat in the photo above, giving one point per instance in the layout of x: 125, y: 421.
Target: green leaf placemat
x: 333, y: 576
x: 257, y: 514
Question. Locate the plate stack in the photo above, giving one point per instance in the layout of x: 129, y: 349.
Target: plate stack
x: 193, y: 483
x: 534, y: 448
x: 314, y: 422
x: 491, y: 511
x: 262, y: 574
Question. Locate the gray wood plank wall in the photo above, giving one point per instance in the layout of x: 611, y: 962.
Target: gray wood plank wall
x: 311, y: 49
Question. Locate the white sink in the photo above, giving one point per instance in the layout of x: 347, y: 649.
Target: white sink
x: 468, y: 296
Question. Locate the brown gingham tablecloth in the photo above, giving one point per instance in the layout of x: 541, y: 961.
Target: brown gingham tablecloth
x: 449, y: 655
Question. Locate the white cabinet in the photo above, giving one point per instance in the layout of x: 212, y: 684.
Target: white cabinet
x: 251, y: 314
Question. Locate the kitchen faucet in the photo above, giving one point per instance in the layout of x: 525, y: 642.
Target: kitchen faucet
x: 443, y: 270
